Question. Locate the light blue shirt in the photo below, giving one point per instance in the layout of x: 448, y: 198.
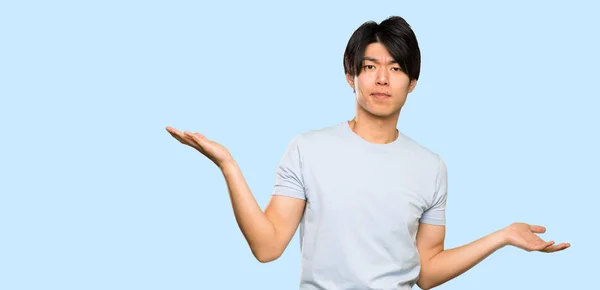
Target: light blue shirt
x: 364, y: 202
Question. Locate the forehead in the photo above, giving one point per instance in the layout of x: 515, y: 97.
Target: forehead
x: 377, y: 51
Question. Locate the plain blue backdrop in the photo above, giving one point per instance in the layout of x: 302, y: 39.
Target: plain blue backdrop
x: 95, y: 194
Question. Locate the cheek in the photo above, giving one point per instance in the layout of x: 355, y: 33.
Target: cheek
x: 402, y: 85
x: 362, y: 93
x: 362, y: 82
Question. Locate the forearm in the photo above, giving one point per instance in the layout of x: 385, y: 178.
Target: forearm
x: 451, y: 263
x: 252, y: 221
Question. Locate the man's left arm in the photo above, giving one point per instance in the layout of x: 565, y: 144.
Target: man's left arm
x: 439, y: 266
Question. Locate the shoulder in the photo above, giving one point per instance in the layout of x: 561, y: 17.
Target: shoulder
x: 422, y: 153
x: 319, y: 136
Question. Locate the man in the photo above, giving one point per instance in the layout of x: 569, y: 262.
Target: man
x: 370, y: 201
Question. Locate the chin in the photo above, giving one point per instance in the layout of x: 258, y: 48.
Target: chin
x: 386, y: 115
x: 379, y: 110
x: 383, y: 113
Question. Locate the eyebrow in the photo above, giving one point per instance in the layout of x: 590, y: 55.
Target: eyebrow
x: 376, y: 60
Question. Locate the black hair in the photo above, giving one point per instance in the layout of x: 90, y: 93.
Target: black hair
x: 395, y: 34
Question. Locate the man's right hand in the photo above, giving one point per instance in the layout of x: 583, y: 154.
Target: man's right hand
x: 212, y: 150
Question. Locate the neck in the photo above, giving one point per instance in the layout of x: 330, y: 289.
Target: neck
x: 375, y: 129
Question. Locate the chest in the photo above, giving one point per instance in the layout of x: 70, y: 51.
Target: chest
x: 385, y: 192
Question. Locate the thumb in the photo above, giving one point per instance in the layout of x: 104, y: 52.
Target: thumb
x: 537, y: 229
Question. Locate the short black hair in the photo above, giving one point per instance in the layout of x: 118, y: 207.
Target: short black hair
x: 395, y: 34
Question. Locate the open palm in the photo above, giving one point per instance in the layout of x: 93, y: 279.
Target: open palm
x: 525, y: 236
x: 212, y: 150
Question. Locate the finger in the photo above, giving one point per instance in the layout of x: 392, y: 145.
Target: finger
x: 172, y: 130
x: 537, y: 229
x: 199, y: 136
x: 179, y: 138
x: 541, y: 245
x: 196, y: 138
x: 556, y: 248
x: 182, y: 138
x: 180, y: 135
x: 551, y: 249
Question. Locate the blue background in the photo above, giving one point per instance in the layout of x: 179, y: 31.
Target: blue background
x: 95, y: 194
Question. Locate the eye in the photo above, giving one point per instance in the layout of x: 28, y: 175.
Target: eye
x: 369, y: 66
x: 396, y: 69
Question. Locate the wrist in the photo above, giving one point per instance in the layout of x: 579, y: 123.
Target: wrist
x: 227, y: 164
x: 501, y: 238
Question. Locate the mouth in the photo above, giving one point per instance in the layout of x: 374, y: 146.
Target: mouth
x: 380, y: 95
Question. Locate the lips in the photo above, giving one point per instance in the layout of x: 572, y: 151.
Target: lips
x: 380, y: 95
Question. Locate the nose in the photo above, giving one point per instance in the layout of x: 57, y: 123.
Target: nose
x: 382, y: 78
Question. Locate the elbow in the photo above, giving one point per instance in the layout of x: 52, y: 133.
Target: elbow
x: 266, y: 259
x: 266, y: 256
x: 425, y: 281
x: 423, y: 285
x: 427, y: 284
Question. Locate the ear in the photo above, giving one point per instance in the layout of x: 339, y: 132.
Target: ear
x: 411, y: 87
x: 350, y: 80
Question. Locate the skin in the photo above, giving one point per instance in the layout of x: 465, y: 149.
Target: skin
x: 269, y: 232
x: 376, y: 118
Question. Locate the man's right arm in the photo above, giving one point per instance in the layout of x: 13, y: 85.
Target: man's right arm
x: 268, y: 233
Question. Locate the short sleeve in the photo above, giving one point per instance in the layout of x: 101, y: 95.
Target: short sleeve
x: 436, y: 213
x: 288, y: 176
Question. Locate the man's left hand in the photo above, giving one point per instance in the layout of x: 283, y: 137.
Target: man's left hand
x: 525, y: 236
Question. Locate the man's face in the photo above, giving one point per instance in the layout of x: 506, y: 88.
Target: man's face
x: 381, y: 87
